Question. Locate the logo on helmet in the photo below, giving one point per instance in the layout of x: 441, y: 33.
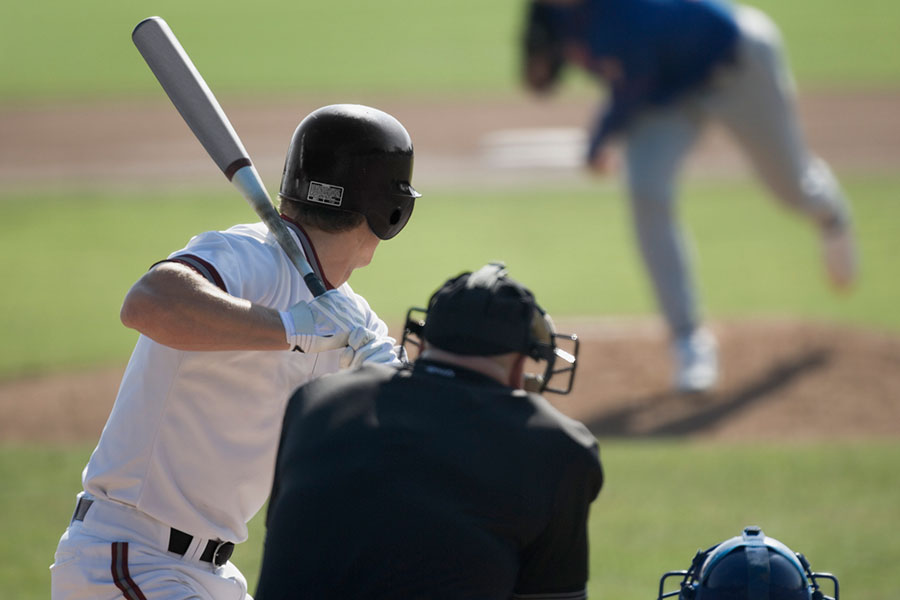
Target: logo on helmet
x: 323, y: 193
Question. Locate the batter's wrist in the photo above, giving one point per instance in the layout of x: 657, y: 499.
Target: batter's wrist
x: 287, y: 321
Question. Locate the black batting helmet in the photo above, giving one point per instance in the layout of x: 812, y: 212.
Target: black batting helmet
x: 749, y: 567
x: 353, y: 158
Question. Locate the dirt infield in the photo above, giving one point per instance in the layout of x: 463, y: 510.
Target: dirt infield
x: 782, y: 379
x: 148, y: 143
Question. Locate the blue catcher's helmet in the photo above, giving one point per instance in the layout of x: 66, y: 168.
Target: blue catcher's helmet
x: 749, y: 567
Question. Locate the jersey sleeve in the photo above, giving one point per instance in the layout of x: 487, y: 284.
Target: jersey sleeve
x: 243, y: 265
x: 628, y: 94
x: 555, y: 565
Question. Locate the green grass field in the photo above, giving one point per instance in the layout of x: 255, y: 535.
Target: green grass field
x: 663, y: 499
x: 831, y: 501
x: 57, y: 51
x: 95, y: 245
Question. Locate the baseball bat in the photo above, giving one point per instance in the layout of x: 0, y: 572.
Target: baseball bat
x: 201, y: 111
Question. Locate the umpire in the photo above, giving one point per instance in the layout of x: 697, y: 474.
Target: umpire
x: 445, y: 478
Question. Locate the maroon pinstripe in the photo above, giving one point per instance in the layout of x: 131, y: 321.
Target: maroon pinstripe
x: 121, y: 576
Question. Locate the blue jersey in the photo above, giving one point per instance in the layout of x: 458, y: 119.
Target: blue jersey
x: 649, y: 52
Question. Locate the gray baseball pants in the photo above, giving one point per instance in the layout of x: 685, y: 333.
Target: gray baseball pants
x: 754, y: 100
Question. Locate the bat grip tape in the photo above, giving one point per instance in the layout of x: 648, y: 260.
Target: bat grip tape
x: 314, y: 284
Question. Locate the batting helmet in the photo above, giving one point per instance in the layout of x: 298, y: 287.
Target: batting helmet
x: 749, y: 567
x: 487, y: 313
x: 353, y: 158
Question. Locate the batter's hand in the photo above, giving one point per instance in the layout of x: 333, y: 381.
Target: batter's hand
x: 323, y: 324
x: 364, y: 346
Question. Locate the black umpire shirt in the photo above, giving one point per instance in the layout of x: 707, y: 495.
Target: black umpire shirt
x: 428, y: 482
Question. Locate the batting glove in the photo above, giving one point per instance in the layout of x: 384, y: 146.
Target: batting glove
x: 323, y: 324
x: 364, y: 346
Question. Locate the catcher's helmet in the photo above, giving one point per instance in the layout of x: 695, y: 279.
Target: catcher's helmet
x: 486, y: 313
x: 749, y: 567
x: 353, y: 158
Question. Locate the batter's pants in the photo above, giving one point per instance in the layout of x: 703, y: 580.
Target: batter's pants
x: 117, y: 552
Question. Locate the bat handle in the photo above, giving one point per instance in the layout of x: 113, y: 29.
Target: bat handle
x: 314, y: 284
x: 247, y: 180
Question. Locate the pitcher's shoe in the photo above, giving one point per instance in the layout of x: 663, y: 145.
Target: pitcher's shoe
x: 696, y: 361
x: 839, y: 254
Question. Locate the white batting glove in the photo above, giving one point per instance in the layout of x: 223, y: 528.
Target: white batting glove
x: 323, y: 324
x: 364, y: 346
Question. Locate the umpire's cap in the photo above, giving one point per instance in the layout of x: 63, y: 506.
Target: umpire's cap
x: 482, y: 314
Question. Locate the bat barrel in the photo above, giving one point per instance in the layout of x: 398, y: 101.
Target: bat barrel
x: 201, y: 111
x: 190, y: 94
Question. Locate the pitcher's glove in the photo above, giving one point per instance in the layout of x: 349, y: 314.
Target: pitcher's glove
x: 543, y: 57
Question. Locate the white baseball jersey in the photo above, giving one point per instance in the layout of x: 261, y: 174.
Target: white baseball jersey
x: 192, y: 437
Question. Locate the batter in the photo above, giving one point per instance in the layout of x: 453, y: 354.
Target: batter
x: 187, y: 455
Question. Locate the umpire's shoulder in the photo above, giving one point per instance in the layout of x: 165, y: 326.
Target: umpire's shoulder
x: 348, y: 387
x: 566, y: 443
x: 547, y: 416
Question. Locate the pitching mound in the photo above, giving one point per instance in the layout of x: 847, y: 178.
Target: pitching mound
x: 781, y: 380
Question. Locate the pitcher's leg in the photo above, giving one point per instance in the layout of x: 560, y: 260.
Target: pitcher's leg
x: 654, y: 154
x: 655, y: 151
x: 756, y: 103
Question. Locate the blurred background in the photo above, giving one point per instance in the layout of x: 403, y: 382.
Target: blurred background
x: 100, y: 177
